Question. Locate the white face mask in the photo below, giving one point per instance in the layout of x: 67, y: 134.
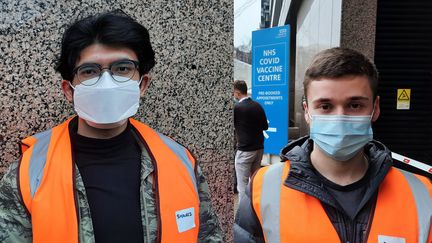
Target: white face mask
x: 107, y: 102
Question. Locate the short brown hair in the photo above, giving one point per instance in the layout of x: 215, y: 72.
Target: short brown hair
x: 339, y: 62
x: 241, y: 86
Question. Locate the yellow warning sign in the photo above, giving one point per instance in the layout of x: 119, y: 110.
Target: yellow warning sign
x: 403, y: 99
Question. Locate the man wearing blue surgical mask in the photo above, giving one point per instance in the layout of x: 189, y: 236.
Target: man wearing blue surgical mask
x: 102, y: 176
x: 338, y: 184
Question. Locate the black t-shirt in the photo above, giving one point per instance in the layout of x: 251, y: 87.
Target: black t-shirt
x: 249, y: 122
x: 350, y: 196
x: 110, y: 169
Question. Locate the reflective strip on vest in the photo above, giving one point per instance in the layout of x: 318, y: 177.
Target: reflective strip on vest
x: 272, y: 212
x: 176, y: 182
x: 38, y: 160
x: 54, y: 217
x: 181, y: 153
x: 42, y: 181
x: 270, y: 202
x: 423, y: 203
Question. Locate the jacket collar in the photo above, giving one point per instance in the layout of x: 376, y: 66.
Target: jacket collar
x: 302, y: 177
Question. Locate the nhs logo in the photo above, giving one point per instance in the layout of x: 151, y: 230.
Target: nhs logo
x: 282, y: 33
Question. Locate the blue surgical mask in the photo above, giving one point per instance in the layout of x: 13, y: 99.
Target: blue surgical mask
x: 341, y: 137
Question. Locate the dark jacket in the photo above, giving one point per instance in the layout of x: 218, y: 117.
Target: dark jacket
x: 249, y: 122
x: 302, y: 177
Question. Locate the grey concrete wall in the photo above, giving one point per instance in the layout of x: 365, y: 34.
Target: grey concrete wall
x: 189, y: 98
x: 359, y: 26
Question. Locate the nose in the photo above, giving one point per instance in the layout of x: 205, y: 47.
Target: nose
x: 106, y: 79
x: 105, y: 70
x: 339, y: 110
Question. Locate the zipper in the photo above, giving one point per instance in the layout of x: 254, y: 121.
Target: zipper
x: 299, y: 188
x: 75, y: 191
x: 76, y: 201
x: 156, y: 190
x: 146, y: 217
x: 370, y: 219
x: 19, y: 189
x: 155, y: 186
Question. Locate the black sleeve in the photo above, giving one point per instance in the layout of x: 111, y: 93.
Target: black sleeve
x: 263, y: 118
x: 235, y: 115
x: 235, y: 126
x: 247, y: 228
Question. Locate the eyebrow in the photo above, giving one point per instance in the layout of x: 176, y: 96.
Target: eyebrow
x: 321, y: 100
x: 94, y: 63
x: 359, y: 98
x: 354, y: 98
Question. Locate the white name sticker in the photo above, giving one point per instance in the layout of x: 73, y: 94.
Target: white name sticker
x: 390, y: 239
x: 185, y: 219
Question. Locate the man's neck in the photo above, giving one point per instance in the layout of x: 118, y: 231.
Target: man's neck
x: 340, y: 172
x: 242, y: 97
x: 86, y: 130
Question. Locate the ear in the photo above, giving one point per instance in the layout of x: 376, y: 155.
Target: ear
x: 145, y: 82
x: 377, y: 110
x: 67, y: 90
x: 306, y: 112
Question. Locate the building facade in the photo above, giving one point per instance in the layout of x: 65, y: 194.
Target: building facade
x: 396, y: 35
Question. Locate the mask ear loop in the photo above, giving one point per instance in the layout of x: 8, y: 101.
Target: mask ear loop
x: 373, y: 112
x: 139, y: 83
x: 307, y: 110
x: 70, y: 84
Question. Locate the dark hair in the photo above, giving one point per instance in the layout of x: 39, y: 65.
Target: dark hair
x: 112, y: 29
x: 241, y: 86
x: 339, y: 62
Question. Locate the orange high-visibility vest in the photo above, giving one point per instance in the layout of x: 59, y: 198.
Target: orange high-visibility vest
x: 46, y: 182
x: 403, y: 209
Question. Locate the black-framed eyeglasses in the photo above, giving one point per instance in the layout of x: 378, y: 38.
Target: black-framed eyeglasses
x: 121, y: 71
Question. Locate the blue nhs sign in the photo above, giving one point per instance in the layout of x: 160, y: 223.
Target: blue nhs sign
x: 270, y: 84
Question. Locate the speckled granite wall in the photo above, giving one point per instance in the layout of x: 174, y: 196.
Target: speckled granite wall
x: 358, y: 26
x: 189, y: 98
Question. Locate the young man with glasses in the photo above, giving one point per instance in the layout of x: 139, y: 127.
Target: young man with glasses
x: 102, y: 176
x: 338, y: 184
